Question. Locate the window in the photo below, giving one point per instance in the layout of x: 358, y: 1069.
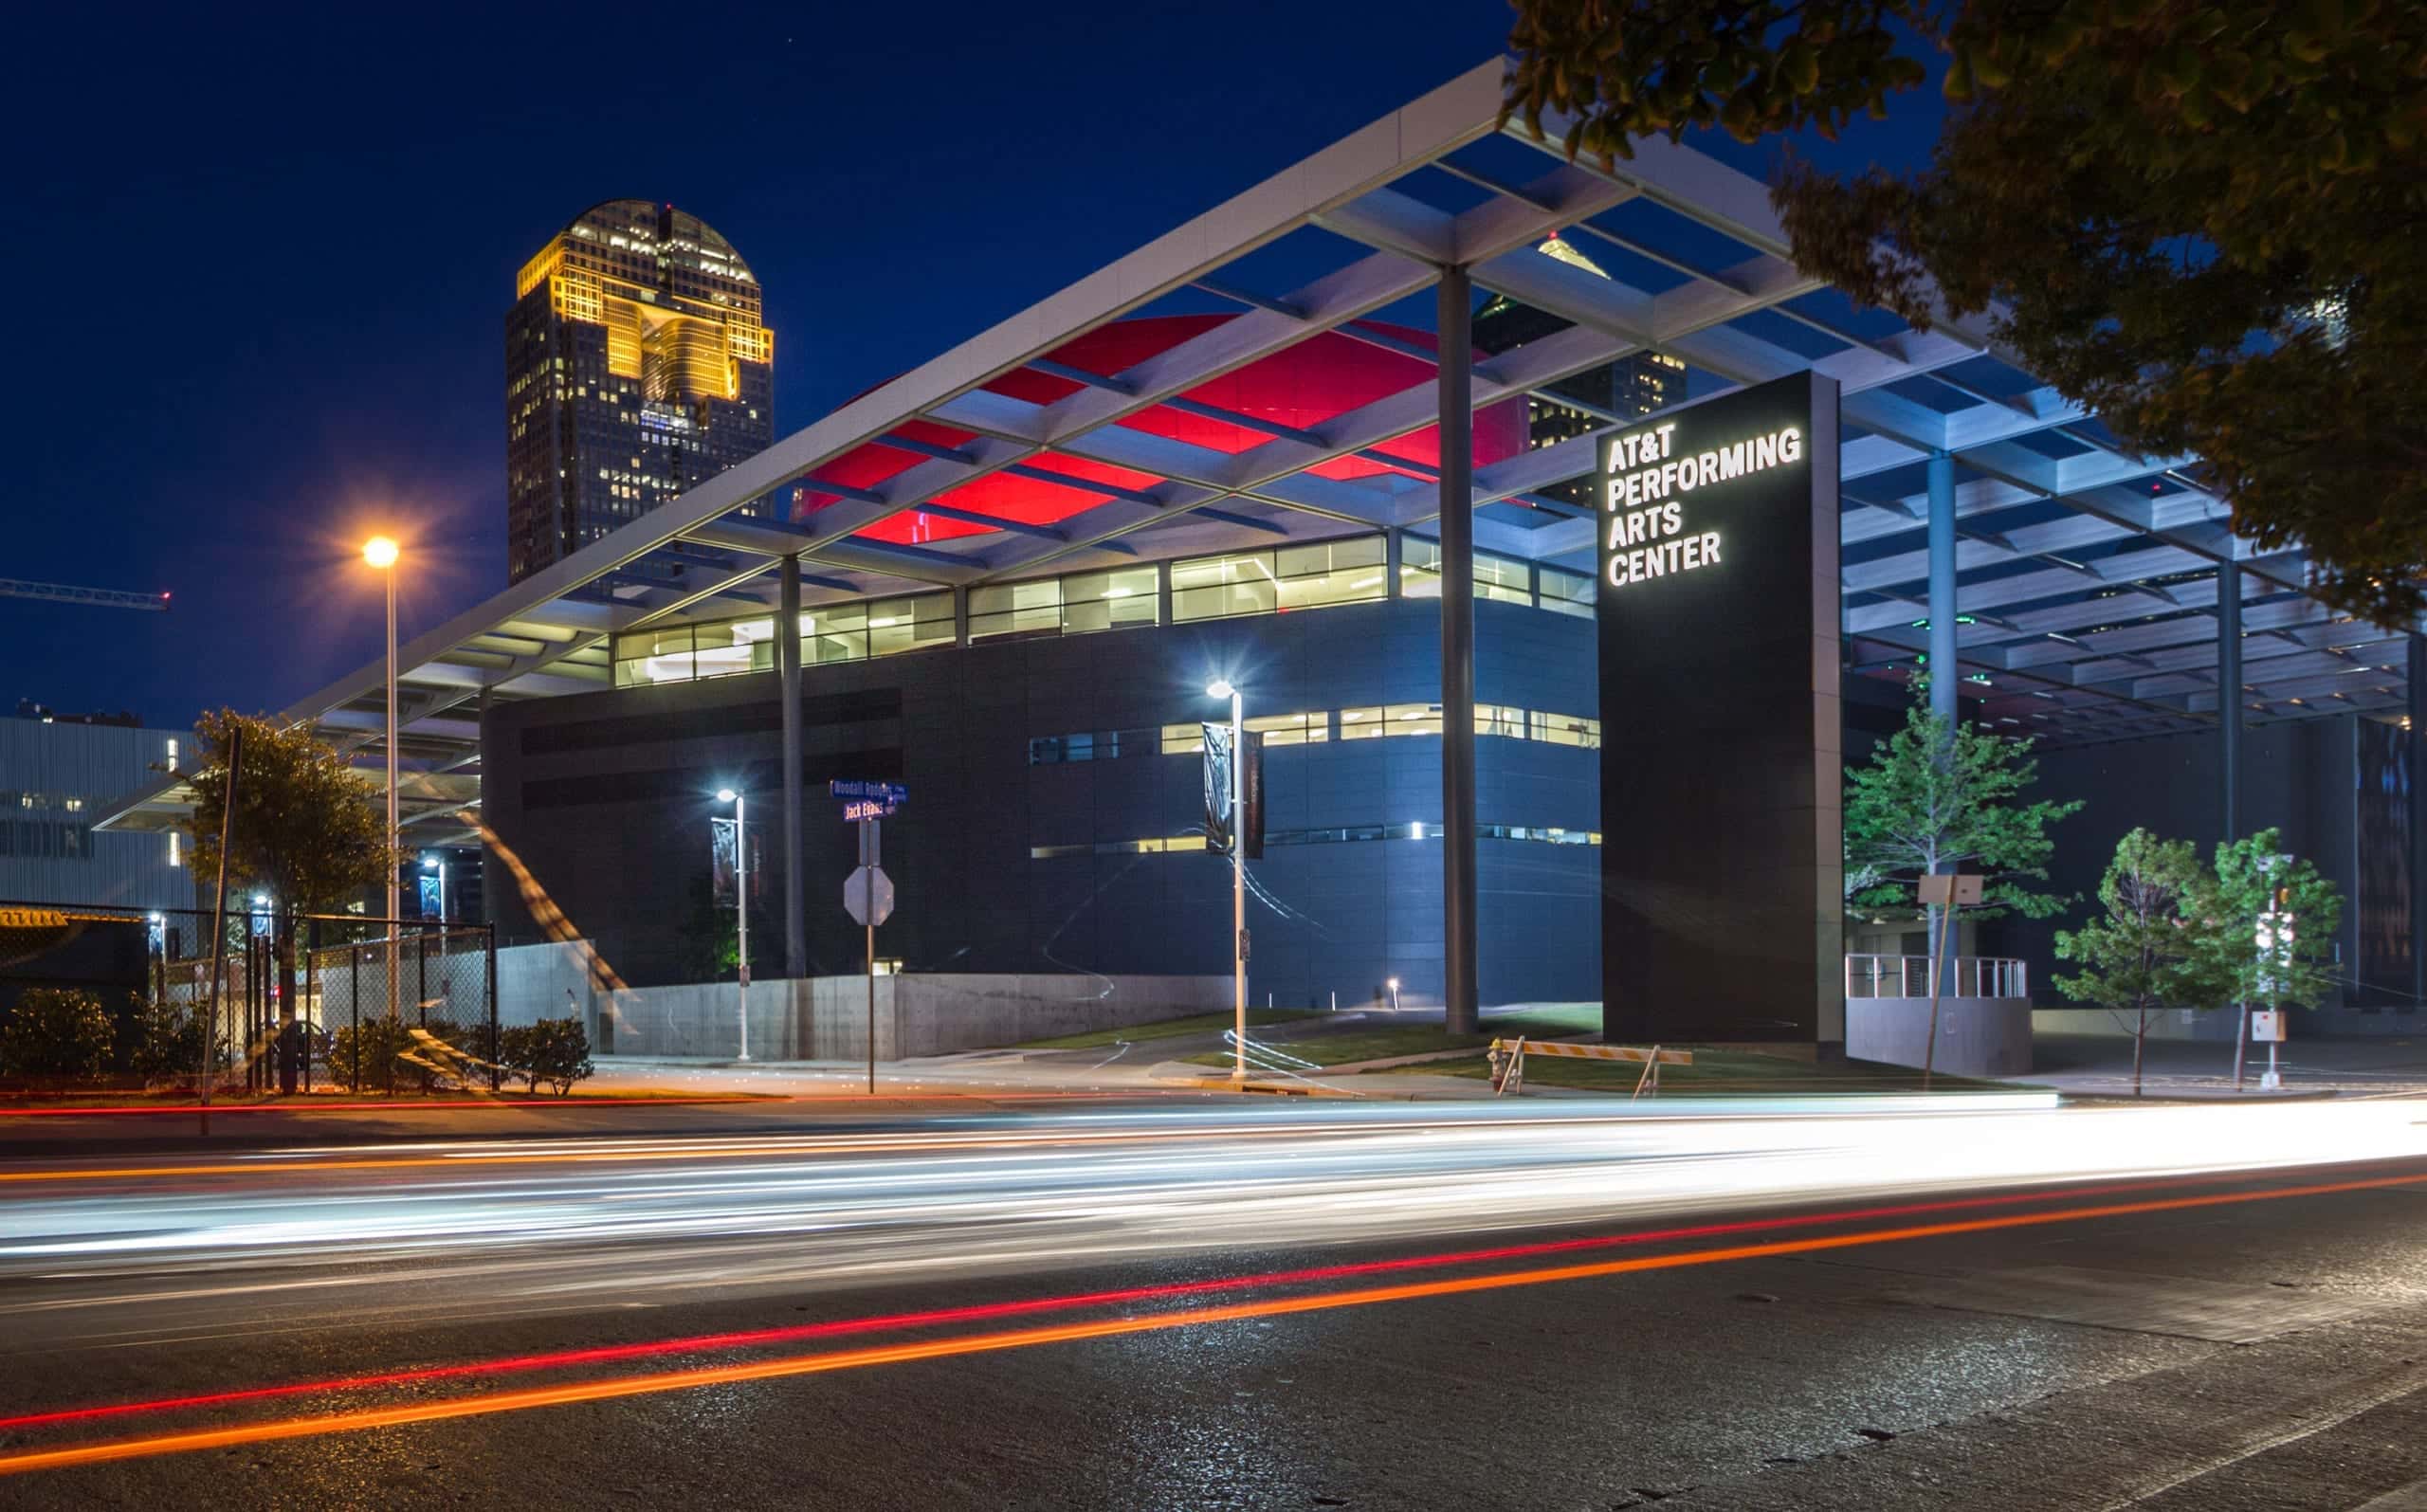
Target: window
x: 1362, y: 724
x: 1566, y: 592
x: 1502, y: 578
x: 1219, y: 587
x: 1339, y: 572
x: 1420, y: 568
x: 913, y: 624
x: 1015, y: 609
x: 1293, y: 729
x: 1288, y: 577
x: 654, y: 656
x: 1567, y: 729
x: 1076, y: 605
x: 1109, y: 600
x: 1412, y: 718
x: 1500, y: 720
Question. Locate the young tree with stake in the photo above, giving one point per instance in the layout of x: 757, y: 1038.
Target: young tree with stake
x: 2153, y: 946
x: 1932, y: 800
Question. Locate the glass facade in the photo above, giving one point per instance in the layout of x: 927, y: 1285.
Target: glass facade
x: 1277, y: 581
x: 1373, y: 722
x: 845, y: 632
x: 1076, y: 605
x: 1351, y: 571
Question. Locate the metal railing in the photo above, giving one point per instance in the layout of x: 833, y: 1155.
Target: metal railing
x: 1909, y: 976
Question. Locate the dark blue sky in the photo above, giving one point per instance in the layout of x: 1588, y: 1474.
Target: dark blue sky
x: 261, y: 259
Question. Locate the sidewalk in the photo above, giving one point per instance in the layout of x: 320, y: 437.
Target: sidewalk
x: 2101, y: 1066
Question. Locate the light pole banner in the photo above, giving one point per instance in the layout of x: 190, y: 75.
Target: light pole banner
x: 1218, y: 758
x: 720, y: 860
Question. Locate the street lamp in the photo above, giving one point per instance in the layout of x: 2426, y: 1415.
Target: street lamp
x: 1220, y: 688
x: 742, y: 899
x: 438, y: 864
x: 381, y: 553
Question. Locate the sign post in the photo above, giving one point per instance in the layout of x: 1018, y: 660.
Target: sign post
x: 867, y: 894
x: 1947, y: 892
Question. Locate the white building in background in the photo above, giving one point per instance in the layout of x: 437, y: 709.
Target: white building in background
x: 59, y: 774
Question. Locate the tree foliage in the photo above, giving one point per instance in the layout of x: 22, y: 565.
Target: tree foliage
x: 2154, y: 946
x: 2197, y: 217
x: 308, y: 828
x: 55, y: 1034
x: 168, y: 1042
x: 1927, y: 801
x: 2274, y: 921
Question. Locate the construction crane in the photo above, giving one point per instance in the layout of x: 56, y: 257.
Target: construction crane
x: 96, y: 597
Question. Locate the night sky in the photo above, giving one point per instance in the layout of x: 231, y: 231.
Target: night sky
x: 261, y: 262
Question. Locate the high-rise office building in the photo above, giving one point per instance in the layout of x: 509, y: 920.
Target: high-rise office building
x: 635, y: 368
x: 1633, y: 386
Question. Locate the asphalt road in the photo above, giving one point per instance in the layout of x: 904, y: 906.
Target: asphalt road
x: 1214, y: 1305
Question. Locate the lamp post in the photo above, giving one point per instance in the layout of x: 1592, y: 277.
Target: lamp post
x: 381, y: 553
x: 438, y: 864
x: 742, y: 899
x: 1221, y: 688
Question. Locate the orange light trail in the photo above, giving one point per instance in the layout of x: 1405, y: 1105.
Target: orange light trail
x: 656, y: 1383
x: 994, y: 1312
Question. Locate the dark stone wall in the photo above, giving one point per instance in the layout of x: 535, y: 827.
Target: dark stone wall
x: 2299, y: 776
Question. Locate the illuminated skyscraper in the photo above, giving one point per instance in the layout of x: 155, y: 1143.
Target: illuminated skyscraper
x: 635, y: 368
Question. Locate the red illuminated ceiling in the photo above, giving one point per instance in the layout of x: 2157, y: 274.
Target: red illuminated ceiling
x: 1316, y: 380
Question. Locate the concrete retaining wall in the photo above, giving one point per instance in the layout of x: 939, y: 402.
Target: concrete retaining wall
x: 827, y: 1017
x: 2222, y: 1026
x: 1976, y: 1036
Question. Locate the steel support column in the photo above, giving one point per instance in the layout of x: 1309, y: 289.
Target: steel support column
x: 1458, y: 977
x: 2229, y: 703
x: 1945, y: 679
x: 788, y: 684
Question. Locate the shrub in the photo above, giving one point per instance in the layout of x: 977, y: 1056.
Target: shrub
x: 380, y: 1041
x: 555, y: 1050
x: 168, y: 1042
x: 55, y: 1033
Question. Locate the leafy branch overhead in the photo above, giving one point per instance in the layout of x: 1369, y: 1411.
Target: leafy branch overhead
x: 2198, y: 219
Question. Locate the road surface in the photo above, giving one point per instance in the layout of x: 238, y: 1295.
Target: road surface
x: 1981, y: 1303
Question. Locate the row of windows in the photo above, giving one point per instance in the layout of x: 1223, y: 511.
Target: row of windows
x: 13, y: 799
x: 1373, y: 722
x: 46, y: 840
x: 1279, y: 581
x: 1413, y: 829
x: 843, y: 632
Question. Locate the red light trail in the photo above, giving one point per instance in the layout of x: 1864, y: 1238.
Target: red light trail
x: 615, y: 1387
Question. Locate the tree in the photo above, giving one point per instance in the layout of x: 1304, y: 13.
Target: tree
x: 2195, y: 217
x: 2153, y: 947
x: 308, y: 828
x: 1938, y: 800
x: 711, y: 949
x: 1927, y: 802
x: 2273, y: 925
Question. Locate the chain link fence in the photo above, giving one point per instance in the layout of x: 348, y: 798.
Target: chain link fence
x: 370, y: 994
